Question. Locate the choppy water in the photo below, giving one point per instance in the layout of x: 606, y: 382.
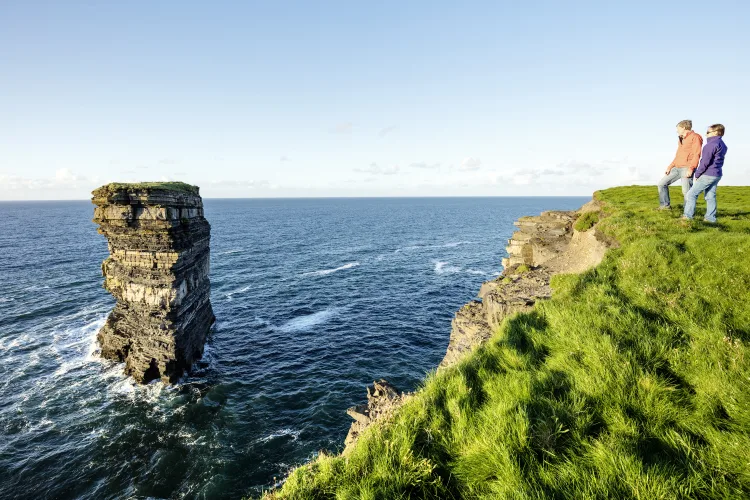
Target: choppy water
x: 314, y: 300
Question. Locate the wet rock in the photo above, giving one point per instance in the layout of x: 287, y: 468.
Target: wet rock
x: 158, y: 270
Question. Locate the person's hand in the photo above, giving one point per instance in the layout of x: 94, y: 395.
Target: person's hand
x: 688, y: 174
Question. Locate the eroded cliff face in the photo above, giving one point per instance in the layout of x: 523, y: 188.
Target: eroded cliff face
x: 158, y: 270
x: 543, y: 246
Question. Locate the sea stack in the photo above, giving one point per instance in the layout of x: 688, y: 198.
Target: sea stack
x: 157, y: 270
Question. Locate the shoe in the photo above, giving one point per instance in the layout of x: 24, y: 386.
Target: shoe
x: 685, y: 217
x: 709, y: 221
x: 665, y: 207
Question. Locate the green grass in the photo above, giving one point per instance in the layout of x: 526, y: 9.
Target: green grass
x: 586, y: 221
x: 633, y: 381
x: 113, y: 187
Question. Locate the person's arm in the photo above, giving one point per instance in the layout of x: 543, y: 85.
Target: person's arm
x: 708, y: 157
x: 694, y: 154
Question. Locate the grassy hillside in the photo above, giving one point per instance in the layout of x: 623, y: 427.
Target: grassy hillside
x: 633, y: 381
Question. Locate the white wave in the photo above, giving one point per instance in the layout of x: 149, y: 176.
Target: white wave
x: 457, y: 243
x: 442, y: 267
x: 294, y: 434
x: 306, y: 322
x: 230, y: 252
x: 324, y: 272
x: 7, y: 299
x: 231, y: 294
x: 477, y: 271
x: 33, y: 288
x: 14, y: 342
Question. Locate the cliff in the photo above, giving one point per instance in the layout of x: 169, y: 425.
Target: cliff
x: 158, y: 270
x: 543, y: 246
x: 630, y: 379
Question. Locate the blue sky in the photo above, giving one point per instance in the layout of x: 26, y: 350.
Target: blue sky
x: 251, y: 99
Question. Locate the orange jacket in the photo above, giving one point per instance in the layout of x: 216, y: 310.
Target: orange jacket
x: 688, y: 151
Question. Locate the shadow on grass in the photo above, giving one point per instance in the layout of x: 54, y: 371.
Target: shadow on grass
x: 519, y: 336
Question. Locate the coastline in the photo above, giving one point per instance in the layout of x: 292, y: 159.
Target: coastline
x: 543, y: 246
x: 628, y: 381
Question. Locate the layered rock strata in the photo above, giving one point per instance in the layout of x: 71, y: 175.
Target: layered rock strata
x: 158, y: 270
x: 543, y: 246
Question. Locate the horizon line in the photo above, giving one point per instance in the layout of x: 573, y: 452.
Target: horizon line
x: 337, y: 197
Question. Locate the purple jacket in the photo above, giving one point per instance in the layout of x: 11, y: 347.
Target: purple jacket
x: 713, y: 157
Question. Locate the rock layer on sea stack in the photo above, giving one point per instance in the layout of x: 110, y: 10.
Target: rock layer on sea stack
x: 158, y: 271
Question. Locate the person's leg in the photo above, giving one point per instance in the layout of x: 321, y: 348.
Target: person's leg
x: 710, y: 196
x: 692, y: 196
x: 663, y: 187
x: 687, y: 182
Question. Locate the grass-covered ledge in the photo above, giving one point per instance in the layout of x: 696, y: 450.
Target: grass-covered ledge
x: 633, y: 381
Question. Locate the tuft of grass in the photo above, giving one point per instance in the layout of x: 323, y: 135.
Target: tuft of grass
x: 632, y: 381
x: 523, y: 268
x: 586, y: 221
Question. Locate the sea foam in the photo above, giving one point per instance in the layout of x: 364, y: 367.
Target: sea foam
x: 324, y: 272
x: 303, y: 323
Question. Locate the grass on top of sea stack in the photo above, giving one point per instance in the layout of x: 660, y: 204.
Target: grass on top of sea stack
x: 113, y: 187
x: 633, y: 381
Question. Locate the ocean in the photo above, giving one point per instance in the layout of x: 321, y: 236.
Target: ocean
x: 314, y: 299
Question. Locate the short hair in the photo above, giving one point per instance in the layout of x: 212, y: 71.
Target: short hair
x: 686, y: 124
x: 718, y: 128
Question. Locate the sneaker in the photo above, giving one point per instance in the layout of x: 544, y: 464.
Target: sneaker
x: 685, y: 217
x: 709, y: 221
x: 665, y: 207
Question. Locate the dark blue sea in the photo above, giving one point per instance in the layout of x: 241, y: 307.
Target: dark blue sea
x: 314, y: 298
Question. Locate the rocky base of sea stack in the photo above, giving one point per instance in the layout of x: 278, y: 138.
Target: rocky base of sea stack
x: 158, y: 271
x: 543, y: 246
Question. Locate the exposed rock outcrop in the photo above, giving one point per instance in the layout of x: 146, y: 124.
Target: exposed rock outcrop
x: 543, y: 246
x: 510, y: 293
x: 158, y: 271
x: 382, y: 399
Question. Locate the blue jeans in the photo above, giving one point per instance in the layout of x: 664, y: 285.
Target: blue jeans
x: 670, y: 178
x: 703, y: 184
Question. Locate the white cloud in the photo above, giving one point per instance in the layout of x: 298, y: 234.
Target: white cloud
x: 237, y: 183
x: 343, y: 128
x: 470, y: 164
x: 375, y: 169
x: 425, y: 165
x: 284, y: 158
x: 386, y: 130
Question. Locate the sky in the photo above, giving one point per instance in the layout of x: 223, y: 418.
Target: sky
x: 390, y: 98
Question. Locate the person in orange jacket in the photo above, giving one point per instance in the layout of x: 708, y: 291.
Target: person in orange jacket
x: 684, y: 164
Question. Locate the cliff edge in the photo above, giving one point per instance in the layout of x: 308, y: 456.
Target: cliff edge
x: 543, y: 246
x: 627, y: 380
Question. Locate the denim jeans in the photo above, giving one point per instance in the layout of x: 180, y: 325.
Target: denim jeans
x: 670, y: 178
x: 704, y: 184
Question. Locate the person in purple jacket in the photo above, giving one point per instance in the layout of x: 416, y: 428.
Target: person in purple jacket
x: 708, y: 174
